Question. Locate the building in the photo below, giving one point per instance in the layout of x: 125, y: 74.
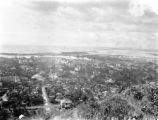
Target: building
x: 65, y: 103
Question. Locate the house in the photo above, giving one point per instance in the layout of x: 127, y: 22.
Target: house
x: 53, y: 76
x: 38, y: 77
x: 65, y: 103
x: 5, y: 97
x: 109, y: 81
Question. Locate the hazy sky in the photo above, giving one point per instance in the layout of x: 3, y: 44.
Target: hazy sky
x: 107, y: 23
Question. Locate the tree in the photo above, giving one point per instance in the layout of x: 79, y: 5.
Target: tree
x: 114, y: 107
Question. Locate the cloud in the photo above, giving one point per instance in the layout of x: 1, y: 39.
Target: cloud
x: 139, y: 7
x: 44, y: 6
x: 80, y: 22
x: 75, y: 1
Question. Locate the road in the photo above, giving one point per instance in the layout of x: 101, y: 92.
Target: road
x: 51, y: 109
x: 47, y: 104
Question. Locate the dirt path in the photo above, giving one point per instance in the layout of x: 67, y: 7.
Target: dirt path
x: 47, y: 104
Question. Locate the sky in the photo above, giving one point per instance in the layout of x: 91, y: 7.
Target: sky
x: 93, y: 23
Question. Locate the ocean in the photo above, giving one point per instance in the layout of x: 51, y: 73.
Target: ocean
x: 90, y: 50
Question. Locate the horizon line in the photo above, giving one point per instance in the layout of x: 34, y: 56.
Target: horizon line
x: 114, y: 48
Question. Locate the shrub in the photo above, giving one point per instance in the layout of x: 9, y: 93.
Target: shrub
x: 114, y: 107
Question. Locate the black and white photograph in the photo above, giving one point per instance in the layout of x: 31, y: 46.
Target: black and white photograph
x: 79, y: 60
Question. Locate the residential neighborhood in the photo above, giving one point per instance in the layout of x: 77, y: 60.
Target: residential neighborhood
x: 35, y: 85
